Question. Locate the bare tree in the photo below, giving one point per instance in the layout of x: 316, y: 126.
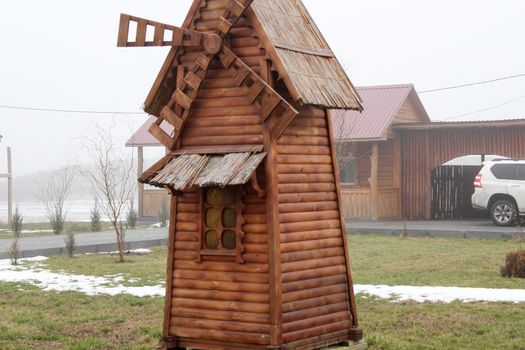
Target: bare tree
x: 112, y: 179
x: 54, y: 193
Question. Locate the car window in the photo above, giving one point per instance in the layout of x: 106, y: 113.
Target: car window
x: 505, y: 171
x: 521, y: 172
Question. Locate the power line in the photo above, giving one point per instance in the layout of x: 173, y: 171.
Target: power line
x: 485, y: 109
x: 473, y: 84
x: 76, y: 111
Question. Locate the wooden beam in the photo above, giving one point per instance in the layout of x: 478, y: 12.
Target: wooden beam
x: 140, y: 187
x: 170, y: 266
x: 351, y: 293
x: 374, y: 165
x: 396, y: 181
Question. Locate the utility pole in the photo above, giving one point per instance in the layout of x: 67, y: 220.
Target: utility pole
x: 9, y: 177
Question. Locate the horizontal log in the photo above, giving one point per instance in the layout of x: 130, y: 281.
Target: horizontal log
x: 315, y: 292
x: 221, y: 102
x: 341, y: 316
x: 313, y: 264
x: 309, y: 216
x: 255, y: 228
x: 303, y: 159
x: 297, y: 286
x: 255, y: 208
x: 307, y: 206
x: 255, y: 248
x: 256, y: 239
x: 220, y: 131
x: 309, y: 112
x: 249, y: 52
x: 311, y: 254
x: 220, y: 335
x: 255, y: 218
x: 316, y: 331
x: 298, y: 150
x: 211, y: 266
x: 314, y: 312
x: 225, y: 286
x: 255, y: 258
x: 223, y: 140
x: 311, y: 245
x: 220, y: 83
x: 221, y: 315
x: 313, y: 273
x: 305, y: 178
x: 239, y: 32
x: 304, y: 169
x: 187, y: 226
x: 310, y: 226
x: 221, y: 276
x: 223, y: 112
x: 306, y: 187
x: 244, y: 41
x: 221, y: 93
x: 188, y: 208
x: 220, y: 325
x: 184, y: 245
x: 187, y: 236
x: 310, y: 235
x: 200, y: 122
x: 315, y: 302
x: 188, y: 217
x: 221, y: 295
x: 304, y: 140
x: 301, y: 131
x: 221, y: 305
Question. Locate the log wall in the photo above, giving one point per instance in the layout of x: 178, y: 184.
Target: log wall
x: 314, y: 278
x: 424, y: 150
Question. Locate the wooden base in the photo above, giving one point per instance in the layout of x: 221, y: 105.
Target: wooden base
x: 339, y: 341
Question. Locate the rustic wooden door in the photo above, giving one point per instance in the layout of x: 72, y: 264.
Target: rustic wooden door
x: 452, y: 188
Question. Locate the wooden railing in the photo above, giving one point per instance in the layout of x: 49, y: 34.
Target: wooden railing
x: 357, y: 203
x: 153, y: 202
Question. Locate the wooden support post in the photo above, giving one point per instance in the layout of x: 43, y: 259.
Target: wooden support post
x: 140, y: 170
x: 374, y: 165
x: 396, y: 181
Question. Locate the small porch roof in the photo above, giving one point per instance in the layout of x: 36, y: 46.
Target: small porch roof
x: 184, y: 171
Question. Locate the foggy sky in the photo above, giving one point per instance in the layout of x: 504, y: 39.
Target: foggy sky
x: 63, y: 54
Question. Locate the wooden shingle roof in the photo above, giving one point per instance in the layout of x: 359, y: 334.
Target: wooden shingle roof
x: 310, y: 69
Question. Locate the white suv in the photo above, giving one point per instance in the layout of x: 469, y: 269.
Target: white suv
x: 500, y: 189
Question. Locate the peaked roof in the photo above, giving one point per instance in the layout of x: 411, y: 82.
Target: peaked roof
x: 300, y: 54
x: 142, y: 137
x: 381, y: 105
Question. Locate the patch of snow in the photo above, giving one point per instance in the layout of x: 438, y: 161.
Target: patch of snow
x: 158, y: 225
x: 47, y: 280
x: 35, y: 231
x: 34, y: 259
x: 442, y: 294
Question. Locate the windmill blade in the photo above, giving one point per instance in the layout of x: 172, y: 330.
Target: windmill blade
x: 160, y: 34
x: 234, y: 11
x: 257, y: 90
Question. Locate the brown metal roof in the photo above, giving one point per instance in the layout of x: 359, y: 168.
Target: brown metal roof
x: 381, y: 105
x: 142, y: 136
x: 204, y: 170
x: 310, y: 67
x: 507, y: 123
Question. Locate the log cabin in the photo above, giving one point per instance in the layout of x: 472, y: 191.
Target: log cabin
x: 258, y: 256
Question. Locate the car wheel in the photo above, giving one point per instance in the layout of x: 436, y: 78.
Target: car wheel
x: 503, y: 213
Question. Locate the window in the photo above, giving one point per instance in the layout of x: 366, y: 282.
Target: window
x: 347, y: 171
x: 505, y: 171
x: 347, y: 163
x: 221, y: 222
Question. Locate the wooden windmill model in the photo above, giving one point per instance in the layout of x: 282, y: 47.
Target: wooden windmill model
x: 258, y: 257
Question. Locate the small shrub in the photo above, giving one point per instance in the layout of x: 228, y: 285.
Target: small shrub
x: 514, y: 264
x: 57, y: 220
x: 70, y: 243
x: 132, y: 217
x: 164, y: 214
x: 16, y: 222
x: 96, y: 218
x: 404, y: 232
x: 14, y: 251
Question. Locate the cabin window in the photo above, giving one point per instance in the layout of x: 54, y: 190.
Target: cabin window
x: 221, y: 222
x: 348, y: 171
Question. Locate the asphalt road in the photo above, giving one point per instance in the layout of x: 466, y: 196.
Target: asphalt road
x: 86, y: 242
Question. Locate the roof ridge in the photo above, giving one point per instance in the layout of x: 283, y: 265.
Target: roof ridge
x: 386, y: 87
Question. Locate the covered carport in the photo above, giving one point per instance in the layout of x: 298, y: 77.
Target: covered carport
x: 426, y: 147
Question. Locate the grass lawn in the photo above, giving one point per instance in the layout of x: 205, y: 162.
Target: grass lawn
x: 48, y: 320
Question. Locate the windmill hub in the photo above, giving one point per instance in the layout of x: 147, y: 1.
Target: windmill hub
x: 213, y: 44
